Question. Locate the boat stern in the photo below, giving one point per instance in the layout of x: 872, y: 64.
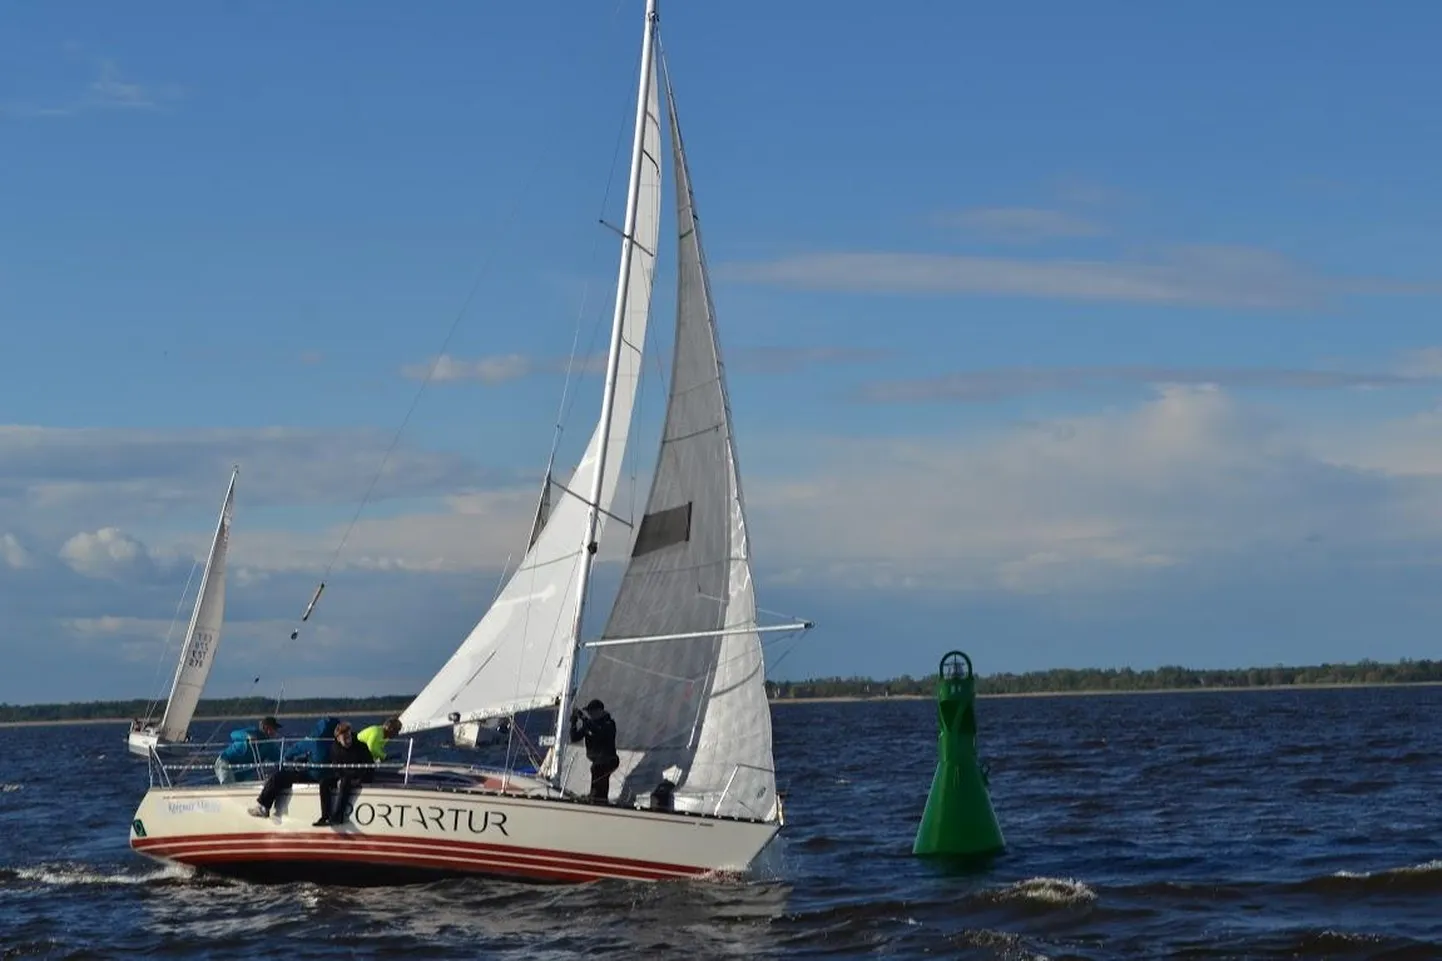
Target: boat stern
x: 140, y: 743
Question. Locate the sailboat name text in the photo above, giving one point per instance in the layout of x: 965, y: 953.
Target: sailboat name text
x: 366, y: 814
x: 201, y: 805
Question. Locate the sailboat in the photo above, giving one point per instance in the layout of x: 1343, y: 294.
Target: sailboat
x: 197, y: 653
x: 492, y: 730
x: 679, y: 664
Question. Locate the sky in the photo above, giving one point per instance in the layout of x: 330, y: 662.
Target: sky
x: 1069, y: 337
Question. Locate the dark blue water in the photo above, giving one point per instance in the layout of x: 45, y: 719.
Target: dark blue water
x: 1297, y: 824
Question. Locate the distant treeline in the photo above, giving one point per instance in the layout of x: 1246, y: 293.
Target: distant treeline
x: 1062, y: 680
x: 256, y: 707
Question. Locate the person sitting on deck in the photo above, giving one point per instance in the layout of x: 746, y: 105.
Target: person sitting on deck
x: 314, y: 749
x: 249, y: 747
x: 376, y: 736
x: 599, y: 730
x: 351, y: 764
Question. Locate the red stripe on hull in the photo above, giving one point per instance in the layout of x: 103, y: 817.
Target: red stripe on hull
x: 472, y: 866
x: 436, y: 854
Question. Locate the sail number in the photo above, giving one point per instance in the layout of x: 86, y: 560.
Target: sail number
x: 199, y: 648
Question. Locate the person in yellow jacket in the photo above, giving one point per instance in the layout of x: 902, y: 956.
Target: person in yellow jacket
x: 376, y: 736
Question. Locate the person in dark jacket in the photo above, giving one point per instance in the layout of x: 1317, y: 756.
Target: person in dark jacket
x: 351, y: 764
x: 313, y: 751
x: 599, y: 731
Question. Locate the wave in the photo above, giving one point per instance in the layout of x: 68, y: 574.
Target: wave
x: 1319, y: 943
x: 1067, y: 891
x: 69, y: 873
x: 909, y: 928
x: 1426, y: 867
x: 999, y: 944
x: 1422, y: 878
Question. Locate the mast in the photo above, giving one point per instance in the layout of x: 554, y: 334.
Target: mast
x: 199, y: 600
x: 613, y: 361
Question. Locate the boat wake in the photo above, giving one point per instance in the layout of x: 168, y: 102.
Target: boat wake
x: 69, y: 873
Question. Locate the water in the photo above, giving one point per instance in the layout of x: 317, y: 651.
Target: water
x: 1283, y: 824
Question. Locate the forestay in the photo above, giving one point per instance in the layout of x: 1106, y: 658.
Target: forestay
x: 696, y: 703
x: 515, y: 658
x: 203, y: 636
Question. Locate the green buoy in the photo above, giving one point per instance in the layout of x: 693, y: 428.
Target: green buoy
x: 959, y: 820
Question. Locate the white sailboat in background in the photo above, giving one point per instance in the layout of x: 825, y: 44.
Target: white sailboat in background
x: 680, y: 663
x: 197, y: 653
x: 480, y: 733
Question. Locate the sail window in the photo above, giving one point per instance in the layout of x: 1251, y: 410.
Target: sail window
x: 663, y: 529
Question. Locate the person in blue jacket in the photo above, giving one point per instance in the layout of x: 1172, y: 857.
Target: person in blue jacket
x: 312, y: 752
x: 248, y: 747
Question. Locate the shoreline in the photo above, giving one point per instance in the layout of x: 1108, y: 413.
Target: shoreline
x: 835, y: 699
x: 218, y: 719
x: 1100, y: 692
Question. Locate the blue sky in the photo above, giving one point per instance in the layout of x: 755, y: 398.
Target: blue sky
x: 1072, y: 337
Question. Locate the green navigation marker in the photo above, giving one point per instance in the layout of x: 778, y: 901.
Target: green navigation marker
x: 958, y: 820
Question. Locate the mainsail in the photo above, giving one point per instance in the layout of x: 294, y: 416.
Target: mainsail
x: 696, y: 703
x: 517, y: 658
x: 543, y: 510
x: 203, y: 636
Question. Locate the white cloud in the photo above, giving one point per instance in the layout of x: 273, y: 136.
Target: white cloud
x: 1066, y: 503
x: 114, y: 625
x: 488, y: 370
x: 1408, y: 447
x: 1423, y: 362
x: 107, y: 553
x: 500, y: 368
x: 248, y: 646
x: 1104, y: 511
x: 14, y: 553
x: 1073, y: 503
x: 128, y: 627
x: 997, y: 382
x: 471, y: 532
x: 109, y: 89
x: 1021, y: 224
x: 88, y: 477
x: 505, y: 368
x: 1048, y: 571
x: 786, y: 360
x: 1085, y: 193
x: 1216, y: 276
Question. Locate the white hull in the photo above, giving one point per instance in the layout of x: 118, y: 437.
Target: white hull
x: 141, y: 742
x: 400, y: 832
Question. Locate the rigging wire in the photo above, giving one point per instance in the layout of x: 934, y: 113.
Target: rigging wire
x: 568, y: 397
x: 762, y: 643
x: 223, y: 721
x: 568, y: 401
x: 795, y: 639
x: 154, y: 681
x: 481, y: 273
